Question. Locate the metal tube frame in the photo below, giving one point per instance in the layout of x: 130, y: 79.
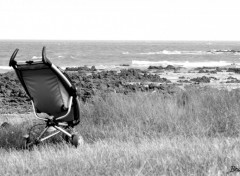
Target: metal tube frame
x: 53, y: 134
x: 47, y: 137
x: 63, y: 131
x: 40, y: 139
x: 59, y: 129
x: 61, y: 74
x: 69, y: 109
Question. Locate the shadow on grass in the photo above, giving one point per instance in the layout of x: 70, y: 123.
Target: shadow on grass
x: 11, y: 136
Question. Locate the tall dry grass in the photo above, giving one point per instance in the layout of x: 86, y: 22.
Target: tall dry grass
x: 163, y: 156
x: 199, y: 112
x: 193, y: 132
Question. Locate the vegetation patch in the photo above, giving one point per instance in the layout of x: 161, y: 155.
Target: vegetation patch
x: 192, y: 132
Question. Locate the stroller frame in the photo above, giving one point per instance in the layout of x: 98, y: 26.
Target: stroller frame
x: 51, y: 123
x: 59, y: 123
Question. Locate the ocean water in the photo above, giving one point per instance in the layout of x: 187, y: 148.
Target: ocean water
x: 110, y: 54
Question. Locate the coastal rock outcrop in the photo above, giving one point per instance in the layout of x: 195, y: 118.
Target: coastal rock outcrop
x: 202, y: 79
x: 89, y: 82
x: 167, y: 68
x: 235, y: 70
x: 210, y: 69
x: 84, y: 68
x: 231, y: 79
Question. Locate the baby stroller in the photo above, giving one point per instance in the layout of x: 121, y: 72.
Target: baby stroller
x: 51, y: 92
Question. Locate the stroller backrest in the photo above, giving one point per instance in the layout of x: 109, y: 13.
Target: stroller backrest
x: 45, y: 88
x: 46, y: 85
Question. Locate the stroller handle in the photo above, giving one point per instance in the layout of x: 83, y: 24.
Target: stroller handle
x: 44, y: 57
x: 12, y: 61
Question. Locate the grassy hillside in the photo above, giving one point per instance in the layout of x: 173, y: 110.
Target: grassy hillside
x: 193, y: 132
x: 199, y: 112
x: 163, y: 156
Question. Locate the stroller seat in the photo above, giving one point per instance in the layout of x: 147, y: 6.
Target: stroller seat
x: 51, y: 92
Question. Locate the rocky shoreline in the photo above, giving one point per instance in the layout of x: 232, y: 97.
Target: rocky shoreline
x: 91, y: 81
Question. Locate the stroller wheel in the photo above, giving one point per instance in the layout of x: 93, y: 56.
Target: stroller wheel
x: 76, y: 140
x: 66, y: 137
x: 27, y: 142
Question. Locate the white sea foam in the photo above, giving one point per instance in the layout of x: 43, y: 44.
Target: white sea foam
x: 107, y: 67
x: 5, y: 68
x: 36, y: 57
x: 152, y: 53
x: 186, y: 64
x: 176, y: 52
x: 171, y: 52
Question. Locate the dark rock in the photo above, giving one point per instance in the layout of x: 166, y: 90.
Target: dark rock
x: 81, y: 69
x: 184, y: 81
x: 213, y: 78
x: 203, y: 79
x: 155, y: 67
x: 93, y: 68
x: 235, y: 70
x: 213, y: 71
x: 230, y: 77
x: 209, y: 69
x: 170, y: 67
x: 202, y: 71
x: 5, y: 125
x: 219, y: 69
x: 125, y: 65
x: 152, y: 86
x: 232, y: 80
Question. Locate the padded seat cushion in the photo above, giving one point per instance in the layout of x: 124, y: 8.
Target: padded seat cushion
x: 47, y: 91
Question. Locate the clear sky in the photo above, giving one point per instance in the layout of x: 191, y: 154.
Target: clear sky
x: 120, y: 19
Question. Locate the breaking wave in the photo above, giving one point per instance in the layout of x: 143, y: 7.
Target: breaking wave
x: 167, y: 52
x: 36, y: 57
x: 176, y: 52
x: 5, y: 68
x: 186, y: 64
